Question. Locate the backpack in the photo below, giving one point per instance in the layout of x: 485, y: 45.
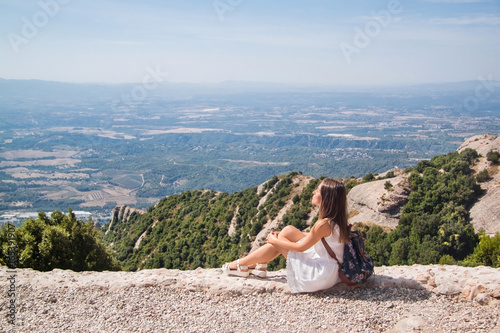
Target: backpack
x: 357, y: 266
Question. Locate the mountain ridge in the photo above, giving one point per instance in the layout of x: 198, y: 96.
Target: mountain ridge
x: 42, y: 88
x: 224, y: 226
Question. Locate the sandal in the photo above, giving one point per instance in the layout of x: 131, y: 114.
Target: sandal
x: 241, y: 271
x: 260, y: 270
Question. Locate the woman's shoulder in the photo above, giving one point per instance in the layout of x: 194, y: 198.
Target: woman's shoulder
x: 334, y: 227
x: 323, y: 224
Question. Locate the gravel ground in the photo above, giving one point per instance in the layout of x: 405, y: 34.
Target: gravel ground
x: 160, y: 308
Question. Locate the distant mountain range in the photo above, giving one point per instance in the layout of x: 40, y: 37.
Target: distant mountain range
x: 49, y: 89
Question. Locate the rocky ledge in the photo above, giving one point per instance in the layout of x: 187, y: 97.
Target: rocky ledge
x: 431, y: 298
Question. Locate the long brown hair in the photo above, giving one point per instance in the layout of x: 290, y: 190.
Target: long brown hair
x: 334, y: 206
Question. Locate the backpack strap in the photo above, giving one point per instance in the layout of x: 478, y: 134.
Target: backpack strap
x: 329, y: 250
x: 332, y: 254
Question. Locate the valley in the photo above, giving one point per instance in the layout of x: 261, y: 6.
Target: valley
x: 78, y: 147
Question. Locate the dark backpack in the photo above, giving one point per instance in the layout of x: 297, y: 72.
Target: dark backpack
x: 357, y: 266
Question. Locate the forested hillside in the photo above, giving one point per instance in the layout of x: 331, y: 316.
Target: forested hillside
x: 207, y: 228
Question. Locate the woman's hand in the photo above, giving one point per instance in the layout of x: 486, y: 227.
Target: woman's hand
x: 272, y: 238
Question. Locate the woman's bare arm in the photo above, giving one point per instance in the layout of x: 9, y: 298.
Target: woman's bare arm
x: 321, y: 229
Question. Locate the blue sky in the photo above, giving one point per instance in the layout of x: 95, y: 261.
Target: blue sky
x: 317, y: 42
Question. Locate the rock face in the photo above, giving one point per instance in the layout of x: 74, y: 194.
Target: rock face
x: 486, y: 212
x: 373, y: 203
x: 123, y: 213
x: 300, y: 182
x: 396, y: 299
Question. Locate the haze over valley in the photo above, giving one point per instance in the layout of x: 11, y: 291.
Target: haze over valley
x: 92, y: 147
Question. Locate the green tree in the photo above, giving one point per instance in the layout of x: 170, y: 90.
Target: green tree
x: 487, y: 252
x: 377, y: 245
x: 59, y: 241
x: 400, y: 250
x: 435, y: 220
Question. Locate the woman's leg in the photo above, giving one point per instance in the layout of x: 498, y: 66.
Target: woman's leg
x: 291, y: 233
x: 262, y: 255
x: 268, y: 252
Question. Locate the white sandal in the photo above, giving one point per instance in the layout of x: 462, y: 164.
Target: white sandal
x: 260, y: 270
x: 241, y: 271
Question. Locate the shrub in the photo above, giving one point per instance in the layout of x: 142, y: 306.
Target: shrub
x: 388, y: 185
x: 447, y: 260
x: 368, y: 178
x: 390, y: 174
x: 493, y: 156
x: 482, y: 176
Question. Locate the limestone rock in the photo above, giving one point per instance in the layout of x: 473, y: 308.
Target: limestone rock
x: 483, y: 299
x: 123, y: 213
x: 372, y: 203
x: 496, y: 292
x: 447, y: 289
x: 486, y: 212
x: 411, y: 324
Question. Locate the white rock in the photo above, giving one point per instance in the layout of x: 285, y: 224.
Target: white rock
x: 411, y: 324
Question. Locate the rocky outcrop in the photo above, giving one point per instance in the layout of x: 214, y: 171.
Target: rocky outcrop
x: 485, y: 214
x: 374, y: 202
x: 483, y: 144
x: 123, y: 213
x: 300, y: 183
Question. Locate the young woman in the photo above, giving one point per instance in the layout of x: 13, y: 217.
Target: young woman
x: 309, y: 266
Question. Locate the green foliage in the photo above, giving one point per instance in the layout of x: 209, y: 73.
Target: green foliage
x: 378, y: 245
x: 192, y: 229
x: 299, y: 213
x: 390, y: 174
x: 447, y: 260
x: 188, y: 230
x: 368, y: 178
x: 487, y: 252
x: 400, y: 251
x: 493, y: 156
x: 58, y: 241
x: 388, y: 185
x: 435, y: 223
x: 482, y: 176
x: 351, y: 183
x: 422, y: 165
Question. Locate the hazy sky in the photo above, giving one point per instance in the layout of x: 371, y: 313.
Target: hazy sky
x: 288, y: 41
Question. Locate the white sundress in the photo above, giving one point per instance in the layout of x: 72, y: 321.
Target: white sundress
x: 314, y: 269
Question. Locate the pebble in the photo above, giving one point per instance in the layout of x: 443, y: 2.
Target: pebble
x: 397, y: 299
